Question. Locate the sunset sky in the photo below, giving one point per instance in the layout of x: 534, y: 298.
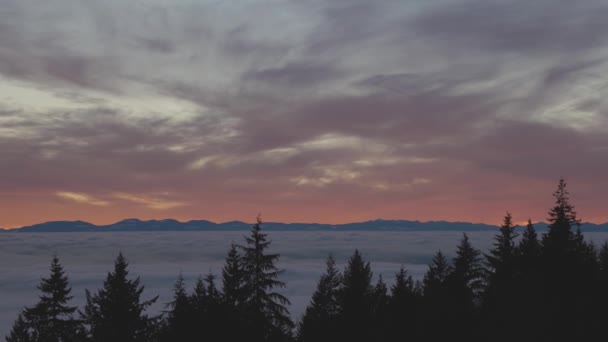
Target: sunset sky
x: 302, y: 110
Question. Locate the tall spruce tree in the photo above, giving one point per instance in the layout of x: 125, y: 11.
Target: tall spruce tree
x: 267, y: 307
x: 561, y: 268
x: 465, y: 284
x: 403, y: 308
x: 562, y: 217
x: 529, y: 250
x: 380, y: 310
x: 436, y: 300
x: 116, y: 313
x: 319, y: 321
x: 20, y: 332
x: 356, y: 299
x: 501, y: 270
x: 51, y: 319
x: 233, y: 278
x: 180, y: 324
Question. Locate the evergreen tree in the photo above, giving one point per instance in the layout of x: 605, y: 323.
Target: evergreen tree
x: 355, y: 300
x: 529, y: 250
x: 266, y: 307
x: 319, y: 321
x: 435, y: 279
x: 500, y: 262
x: 560, y: 239
x: 51, y: 319
x: 561, y: 268
x: 180, y: 323
x: 116, y: 313
x: 380, y: 310
x: 501, y: 292
x: 20, y: 331
x: 465, y: 284
x: 233, y: 278
x: 436, y: 299
x: 403, y: 308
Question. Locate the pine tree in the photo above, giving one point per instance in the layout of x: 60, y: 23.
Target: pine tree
x: 561, y: 268
x: 501, y: 292
x: 380, y: 310
x: 403, y: 308
x: 560, y: 239
x: 465, y: 284
x: 266, y: 307
x: 233, y: 278
x: 500, y: 262
x: 355, y: 300
x: 318, y: 323
x: 436, y: 300
x: 435, y: 279
x: 116, y: 313
x: 529, y: 250
x: 20, y: 331
x: 180, y: 323
x: 51, y: 319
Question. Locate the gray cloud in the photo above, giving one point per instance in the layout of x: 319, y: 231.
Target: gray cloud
x: 303, y: 102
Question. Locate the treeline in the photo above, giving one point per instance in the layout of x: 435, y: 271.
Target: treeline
x: 525, y: 288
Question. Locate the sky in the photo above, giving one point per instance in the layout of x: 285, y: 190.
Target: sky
x: 301, y: 110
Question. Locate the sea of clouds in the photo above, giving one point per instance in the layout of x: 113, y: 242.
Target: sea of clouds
x: 159, y: 257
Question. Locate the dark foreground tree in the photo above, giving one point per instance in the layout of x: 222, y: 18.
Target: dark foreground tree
x: 319, y: 321
x: 436, y: 311
x: 180, y: 323
x: 265, y: 308
x: 465, y: 284
x: 501, y: 294
x: 116, y: 312
x: 20, y: 332
x: 404, y: 306
x: 51, y: 319
x: 356, y: 298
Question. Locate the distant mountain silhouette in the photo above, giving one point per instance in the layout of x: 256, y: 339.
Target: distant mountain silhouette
x: 132, y: 225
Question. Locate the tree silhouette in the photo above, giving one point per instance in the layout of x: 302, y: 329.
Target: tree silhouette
x: 266, y: 308
x: 501, y: 292
x: 116, y: 312
x: 51, y: 319
x: 180, y: 323
x: 355, y: 317
x: 404, y: 306
x: 465, y: 284
x: 319, y: 321
x: 20, y: 332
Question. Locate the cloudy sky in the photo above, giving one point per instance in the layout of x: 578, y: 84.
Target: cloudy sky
x: 303, y: 110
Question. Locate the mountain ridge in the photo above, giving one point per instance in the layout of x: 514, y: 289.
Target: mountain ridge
x: 133, y: 224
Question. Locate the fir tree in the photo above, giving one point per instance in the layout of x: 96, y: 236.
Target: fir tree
x: 559, y: 238
x: 116, y: 313
x: 233, y: 278
x: 20, y: 331
x: 435, y: 279
x: 51, y: 319
x: 403, y: 307
x: 436, y: 310
x: 501, y: 292
x: 266, y: 307
x: 318, y: 323
x: 380, y: 310
x: 355, y: 301
x: 465, y: 284
x: 500, y: 262
x: 529, y: 249
x: 180, y: 325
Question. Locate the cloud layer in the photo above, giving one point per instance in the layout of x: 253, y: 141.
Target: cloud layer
x: 304, y: 111
x: 158, y: 258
